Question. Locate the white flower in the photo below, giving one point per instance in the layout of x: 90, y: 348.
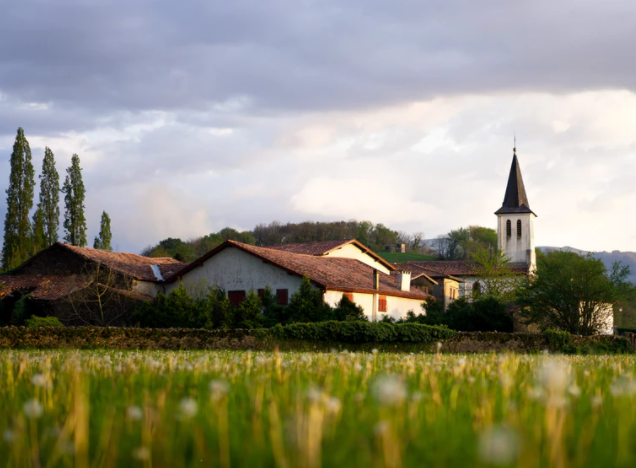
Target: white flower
x: 438, y: 345
x: 596, y: 401
x: 188, y: 408
x: 554, y: 375
x: 574, y: 390
x: 218, y: 389
x: 33, y: 409
x: 498, y: 446
x: 134, y: 413
x: 389, y: 390
x: 38, y: 380
x: 142, y: 453
x: 374, y: 350
x: 333, y: 405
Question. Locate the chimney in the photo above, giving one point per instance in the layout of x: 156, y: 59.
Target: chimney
x: 376, y: 279
x: 404, y: 280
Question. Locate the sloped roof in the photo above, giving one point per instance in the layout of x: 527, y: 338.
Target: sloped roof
x: 455, y: 268
x: 136, y: 266
x: 43, y: 287
x: 334, y: 273
x: 324, y: 247
x: 515, y: 199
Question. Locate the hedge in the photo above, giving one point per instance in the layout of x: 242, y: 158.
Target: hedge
x: 353, y: 336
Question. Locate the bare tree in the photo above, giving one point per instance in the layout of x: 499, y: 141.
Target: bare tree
x: 107, y: 299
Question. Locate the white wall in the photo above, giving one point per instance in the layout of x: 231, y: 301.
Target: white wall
x: 232, y: 269
x: 397, y: 307
x: 516, y: 248
x: 146, y: 287
x: 351, y: 251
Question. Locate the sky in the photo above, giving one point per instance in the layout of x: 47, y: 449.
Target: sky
x: 195, y: 115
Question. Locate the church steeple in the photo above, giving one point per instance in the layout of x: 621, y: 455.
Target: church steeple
x: 515, y: 200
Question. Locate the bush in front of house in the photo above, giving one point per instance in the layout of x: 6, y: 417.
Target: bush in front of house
x: 41, y: 322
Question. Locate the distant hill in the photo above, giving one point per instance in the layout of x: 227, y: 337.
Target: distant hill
x: 626, y: 258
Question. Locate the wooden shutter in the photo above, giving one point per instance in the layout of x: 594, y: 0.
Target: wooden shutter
x: 260, y: 293
x: 349, y: 296
x: 282, y: 295
x: 382, y: 304
x: 236, y: 297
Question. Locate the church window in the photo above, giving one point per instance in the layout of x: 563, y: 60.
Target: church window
x: 518, y: 228
x: 508, y: 229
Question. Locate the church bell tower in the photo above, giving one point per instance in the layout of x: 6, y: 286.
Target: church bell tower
x: 515, y: 221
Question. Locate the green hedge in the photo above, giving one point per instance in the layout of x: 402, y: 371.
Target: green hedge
x: 42, y: 322
x: 361, y: 332
x: 353, y: 336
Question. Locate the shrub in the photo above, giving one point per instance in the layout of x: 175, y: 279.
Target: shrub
x: 306, y: 305
x: 557, y: 340
x: 41, y: 322
x: 348, y: 310
x: 176, y: 310
x: 273, y: 312
x: 485, y: 314
x: 248, y: 313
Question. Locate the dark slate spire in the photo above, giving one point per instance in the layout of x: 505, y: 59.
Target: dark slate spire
x: 515, y: 200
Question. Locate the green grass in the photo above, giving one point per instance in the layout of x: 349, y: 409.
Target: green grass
x: 404, y: 257
x: 243, y: 409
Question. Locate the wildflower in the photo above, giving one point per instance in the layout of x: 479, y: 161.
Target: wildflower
x: 389, y: 390
x: 8, y: 436
x: 374, y: 350
x: 38, y: 380
x: 381, y: 428
x: 574, y: 390
x: 357, y: 367
x: 33, y: 409
x: 188, y: 408
x: 498, y: 446
x: 596, y: 401
x: 554, y: 375
x: 218, y: 389
x: 333, y: 405
x: 438, y: 345
x: 134, y: 413
x: 142, y: 453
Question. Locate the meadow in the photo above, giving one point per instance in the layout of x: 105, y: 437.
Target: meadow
x: 236, y: 408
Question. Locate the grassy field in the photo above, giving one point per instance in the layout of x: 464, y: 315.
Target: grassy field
x: 206, y: 409
x: 404, y: 257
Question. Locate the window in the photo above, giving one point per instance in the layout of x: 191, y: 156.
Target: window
x: 382, y: 304
x: 508, y: 228
x: 349, y: 296
x: 282, y: 296
x: 260, y: 293
x: 236, y: 297
x: 518, y: 228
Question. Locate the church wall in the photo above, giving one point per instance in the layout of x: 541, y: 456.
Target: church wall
x: 518, y: 249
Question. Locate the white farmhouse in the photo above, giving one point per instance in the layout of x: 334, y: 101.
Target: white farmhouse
x: 335, y: 267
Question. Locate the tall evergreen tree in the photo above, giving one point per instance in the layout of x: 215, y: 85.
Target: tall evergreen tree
x: 50, y: 198
x: 103, y: 240
x: 37, y: 232
x: 17, y: 226
x: 74, y: 220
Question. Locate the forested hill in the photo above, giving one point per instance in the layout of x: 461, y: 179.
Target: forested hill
x: 375, y: 236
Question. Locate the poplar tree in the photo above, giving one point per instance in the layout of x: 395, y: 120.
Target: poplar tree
x: 17, y: 226
x: 103, y: 240
x: 37, y: 235
x: 50, y: 199
x: 74, y: 220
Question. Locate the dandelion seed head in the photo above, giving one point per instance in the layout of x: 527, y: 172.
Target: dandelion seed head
x: 38, y: 380
x: 134, y: 413
x: 142, y: 453
x: 33, y: 409
x: 498, y: 446
x: 188, y: 408
x: 389, y: 390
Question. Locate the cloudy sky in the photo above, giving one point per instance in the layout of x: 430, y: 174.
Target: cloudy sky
x: 194, y: 115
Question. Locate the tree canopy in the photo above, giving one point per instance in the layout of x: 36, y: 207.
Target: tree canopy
x: 74, y: 219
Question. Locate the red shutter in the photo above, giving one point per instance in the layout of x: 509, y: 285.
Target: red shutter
x: 260, y: 293
x: 382, y: 304
x: 236, y: 297
x: 349, y: 296
x: 282, y: 295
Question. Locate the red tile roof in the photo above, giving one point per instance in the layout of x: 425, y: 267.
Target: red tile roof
x: 454, y: 268
x: 334, y: 273
x: 43, y: 287
x: 136, y: 266
x: 323, y: 248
